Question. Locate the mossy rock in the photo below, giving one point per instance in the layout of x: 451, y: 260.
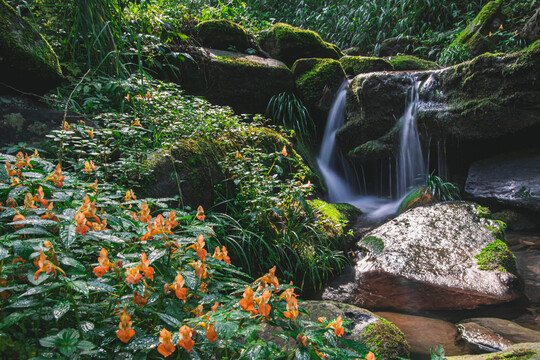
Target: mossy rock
x: 378, y: 334
x: 354, y: 65
x: 222, y: 34
x: 409, y: 62
x: 475, y: 37
x: 341, y: 216
x: 418, y: 197
x: 497, y: 256
x: 398, y: 45
x: 524, y: 351
x: 373, y: 149
x: 317, y: 80
x: 288, y: 44
x: 27, y: 61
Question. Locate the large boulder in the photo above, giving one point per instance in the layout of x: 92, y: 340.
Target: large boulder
x: 244, y: 82
x: 475, y: 38
x: 531, y: 30
x: 430, y: 258
x: 410, y: 62
x: 354, y: 65
x: 488, y: 181
x: 527, y: 252
x: 27, y: 61
x: 288, y: 44
x: 317, y: 80
x: 223, y: 35
x: 525, y: 351
x: 490, y: 104
x: 378, y: 334
x: 399, y: 45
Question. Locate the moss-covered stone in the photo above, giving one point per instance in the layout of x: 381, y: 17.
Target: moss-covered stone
x: 398, y: 45
x: 27, y: 61
x: 288, y: 44
x: 409, y: 62
x: 354, y: 65
x: 317, y: 80
x: 385, y: 339
x: 497, y: 256
x: 337, y: 213
x: 475, y: 37
x: 222, y: 34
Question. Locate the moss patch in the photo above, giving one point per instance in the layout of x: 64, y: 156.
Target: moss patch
x: 386, y: 340
x: 373, y: 244
x: 313, y: 75
x: 28, y: 61
x: 354, y: 65
x: 524, y: 354
x: 497, y: 256
x: 222, y: 34
x: 288, y: 44
x: 409, y: 62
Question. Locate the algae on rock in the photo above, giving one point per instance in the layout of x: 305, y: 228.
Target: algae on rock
x: 223, y: 35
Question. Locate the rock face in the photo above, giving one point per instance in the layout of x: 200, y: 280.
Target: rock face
x: 354, y: 65
x: 317, y: 80
x: 398, y: 45
x: 244, y: 82
x: 475, y: 38
x: 527, y: 251
x: 223, y: 34
x: 425, y: 259
x: 526, y: 351
x: 491, y: 334
x: 288, y: 44
x: 424, y: 334
x: 531, y: 30
x: 28, y: 63
x: 378, y: 334
x: 490, y: 103
x: 508, y: 180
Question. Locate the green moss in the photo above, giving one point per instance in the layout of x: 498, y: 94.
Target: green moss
x: 373, y: 244
x: 373, y: 149
x: 329, y: 210
x: 288, y: 44
x: 522, y: 354
x: 222, y: 34
x: 385, y: 339
x: 25, y: 51
x: 497, y: 256
x: 313, y: 75
x: 354, y: 65
x: 409, y: 62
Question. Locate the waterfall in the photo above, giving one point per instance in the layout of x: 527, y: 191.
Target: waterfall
x: 341, y: 178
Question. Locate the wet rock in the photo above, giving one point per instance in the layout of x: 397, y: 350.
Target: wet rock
x: 530, y: 321
x: 531, y: 30
x: 515, y: 220
x: 288, y: 44
x: 423, y: 334
x: 223, y: 35
x: 354, y: 65
x: 510, y: 180
x: 479, y: 108
x: 426, y: 261
x: 526, y: 351
x: 27, y: 63
x: 492, y: 334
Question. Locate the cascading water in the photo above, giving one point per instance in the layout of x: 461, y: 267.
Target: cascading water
x: 340, y: 177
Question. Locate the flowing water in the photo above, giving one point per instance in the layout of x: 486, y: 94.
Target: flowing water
x: 340, y: 176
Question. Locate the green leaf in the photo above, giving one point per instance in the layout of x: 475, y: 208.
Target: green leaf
x: 79, y: 286
x: 226, y: 329
x: 143, y: 343
x: 170, y: 320
x: 354, y: 345
x: 4, y: 253
x: 34, y: 222
x: 41, y: 288
x: 32, y: 231
x: 61, y: 309
x: 156, y: 254
x: 107, y: 237
x: 25, y: 303
x: 96, y: 285
x: 85, y: 345
x: 68, y: 235
x: 14, y: 318
x: 49, y: 341
x: 72, y: 262
x: 302, y: 354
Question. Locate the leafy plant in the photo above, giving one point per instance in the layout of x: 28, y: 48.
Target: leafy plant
x: 288, y: 110
x: 438, y: 354
x: 440, y: 189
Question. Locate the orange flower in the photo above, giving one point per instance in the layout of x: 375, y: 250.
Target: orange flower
x: 133, y: 276
x: 148, y: 271
x: 337, y: 326
x: 22, y: 160
x: 171, y: 222
x: 138, y: 299
x: 29, y: 201
x: 40, y: 197
x: 270, y: 278
x: 178, y: 287
x: 501, y: 27
x: 125, y: 332
x: 10, y: 171
x: 104, y: 263
x: 264, y: 308
x: 18, y: 217
x: 130, y: 195
x: 211, y: 333
x: 238, y: 155
x: 185, y: 338
x: 89, y: 167
x: 136, y: 123
x: 49, y: 214
x: 81, y: 228
x: 44, y: 264
x: 200, y: 269
x: 199, y: 247
x: 94, y: 186
x: 302, y: 339
x: 370, y: 356
x: 66, y: 126
x: 247, y: 303
x: 166, y: 347
x: 200, y: 213
x: 292, y: 308
x: 145, y: 213
x: 284, y: 151
x: 56, y: 177
x: 222, y: 254
x: 148, y: 96
x: 214, y: 307
x: 90, y: 133
x: 198, y: 311
x: 156, y: 228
